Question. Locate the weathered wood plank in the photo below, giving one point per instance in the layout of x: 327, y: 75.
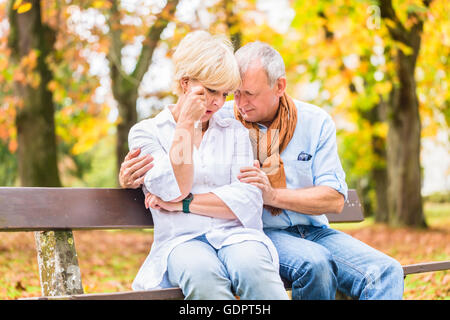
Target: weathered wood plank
x: 40, y: 209
x: 426, y: 267
x: 160, y: 294
x: 45, y: 209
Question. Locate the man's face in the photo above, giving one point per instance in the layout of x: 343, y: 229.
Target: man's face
x: 255, y: 99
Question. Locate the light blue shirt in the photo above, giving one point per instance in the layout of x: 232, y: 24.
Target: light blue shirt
x: 310, y: 159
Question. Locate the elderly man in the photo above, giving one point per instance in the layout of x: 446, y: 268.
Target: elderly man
x: 300, y: 174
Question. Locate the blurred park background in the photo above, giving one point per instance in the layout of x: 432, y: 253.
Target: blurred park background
x: 76, y: 75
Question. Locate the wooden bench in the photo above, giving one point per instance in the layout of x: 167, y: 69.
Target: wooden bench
x: 55, y: 212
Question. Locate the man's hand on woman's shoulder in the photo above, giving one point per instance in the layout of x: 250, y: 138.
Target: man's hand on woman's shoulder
x: 133, y: 169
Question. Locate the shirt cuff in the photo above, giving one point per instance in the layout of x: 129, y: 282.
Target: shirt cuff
x: 245, y: 201
x: 333, y: 181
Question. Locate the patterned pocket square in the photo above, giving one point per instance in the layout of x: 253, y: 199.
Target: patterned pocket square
x: 303, y: 156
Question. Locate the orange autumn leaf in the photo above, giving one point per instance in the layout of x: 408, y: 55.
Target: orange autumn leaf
x: 12, y: 146
x: 17, y: 4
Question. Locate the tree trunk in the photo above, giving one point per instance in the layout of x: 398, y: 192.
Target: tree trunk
x: 35, y: 119
x: 380, y: 178
x: 58, y: 263
x: 128, y: 117
x: 403, y: 148
x: 125, y: 86
x: 379, y: 171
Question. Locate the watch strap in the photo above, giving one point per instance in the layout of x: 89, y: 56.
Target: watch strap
x: 186, y: 201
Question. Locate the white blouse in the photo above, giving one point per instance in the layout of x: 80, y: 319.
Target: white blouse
x: 224, y: 149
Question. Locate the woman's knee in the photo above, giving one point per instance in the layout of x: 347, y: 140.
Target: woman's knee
x: 249, y: 259
x: 183, y: 262
x: 318, y: 268
x: 253, y: 274
x: 200, y: 276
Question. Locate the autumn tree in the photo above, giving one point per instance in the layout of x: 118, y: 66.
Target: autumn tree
x: 403, y: 147
x: 31, y: 41
x: 125, y: 85
x: 346, y: 59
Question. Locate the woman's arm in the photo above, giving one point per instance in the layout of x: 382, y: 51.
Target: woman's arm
x: 208, y: 204
x: 204, y: 204
x: 160, y: 180
x: 180, y: 156
x: 236, y: 200
x: 191, y: 107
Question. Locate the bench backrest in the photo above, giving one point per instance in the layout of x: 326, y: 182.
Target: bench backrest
x: 41, y: 209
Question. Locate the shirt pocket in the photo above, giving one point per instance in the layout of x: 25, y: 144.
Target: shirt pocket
x: 298, y: 173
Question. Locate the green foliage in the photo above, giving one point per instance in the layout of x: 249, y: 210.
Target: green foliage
x: 103, y: 171
x: 438, y: 197
x: 8, y: 167
x: 95, y: 168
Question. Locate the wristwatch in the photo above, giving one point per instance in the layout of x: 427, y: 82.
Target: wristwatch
x: 186, y: 201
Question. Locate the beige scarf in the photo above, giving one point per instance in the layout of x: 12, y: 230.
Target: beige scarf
x: 268, y: 146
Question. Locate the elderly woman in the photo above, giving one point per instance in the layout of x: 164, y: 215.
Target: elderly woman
x: 208, y: 230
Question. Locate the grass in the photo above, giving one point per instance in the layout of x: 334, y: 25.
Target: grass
x: 109, y: 260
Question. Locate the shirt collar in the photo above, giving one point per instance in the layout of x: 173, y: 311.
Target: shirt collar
x: 221, y: 122
x: 165, y: 116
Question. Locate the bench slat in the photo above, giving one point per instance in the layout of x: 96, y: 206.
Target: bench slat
x: 160, y: 294
x: 43, y: 209
x: 35, y: 209
x: 426, y: 267
x: 176, y: 293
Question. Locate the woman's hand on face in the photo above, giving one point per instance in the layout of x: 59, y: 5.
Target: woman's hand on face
x: 155, y: 202
x: 193, y: 104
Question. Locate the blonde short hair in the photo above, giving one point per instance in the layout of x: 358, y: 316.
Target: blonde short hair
x: 208, y: 59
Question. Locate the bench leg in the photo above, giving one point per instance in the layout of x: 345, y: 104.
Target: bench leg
x: 58, y: 263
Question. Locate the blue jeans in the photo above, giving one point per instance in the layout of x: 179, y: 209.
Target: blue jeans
x: 244, y: 268
x: 319, y: 261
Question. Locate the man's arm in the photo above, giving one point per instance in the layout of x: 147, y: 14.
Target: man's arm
x: 314, y: 200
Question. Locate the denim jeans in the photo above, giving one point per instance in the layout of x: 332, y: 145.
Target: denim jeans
x: 319, y: 261
x: 244, y: 269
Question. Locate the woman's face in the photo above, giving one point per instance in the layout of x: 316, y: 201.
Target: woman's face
x: 215, y: 99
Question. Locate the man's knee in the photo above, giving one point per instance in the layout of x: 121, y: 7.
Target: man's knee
x: 391, y: 275
x: 383, y: 280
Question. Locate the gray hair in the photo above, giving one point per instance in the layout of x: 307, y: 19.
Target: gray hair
x: 270, y: 59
